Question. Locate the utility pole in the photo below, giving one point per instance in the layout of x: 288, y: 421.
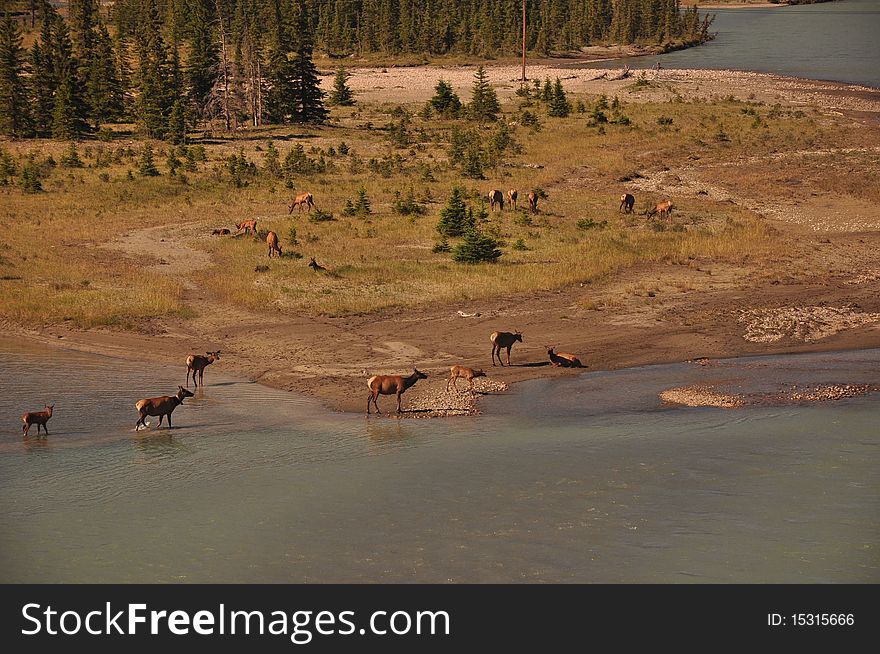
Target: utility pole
x: 524, y: 42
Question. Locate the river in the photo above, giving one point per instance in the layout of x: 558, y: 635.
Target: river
x: 589, y: 479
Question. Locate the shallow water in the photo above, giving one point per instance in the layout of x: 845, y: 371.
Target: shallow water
x: 828, y: 41
x: 587, y: 479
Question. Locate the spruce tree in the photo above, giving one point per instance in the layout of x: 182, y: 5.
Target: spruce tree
x: 13, y: 93
x: 559, y: 106
x: 304, y: 80
x: 455, y: 219
x: 203, y: 59
x: 445, y: 100
x: 103, y: 89
x: 484, y: 102
x: 154, y: 77
x: 341, y: 95
x: 146, y: 163
x: 476, y: 247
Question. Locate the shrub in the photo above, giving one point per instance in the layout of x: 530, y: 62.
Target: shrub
x: 407, y: 206
x: 70, y: 159
x: 476, y: 247
x: 519, y: 245
x: 441, y: 246
x: 589, y: 223
x: 319, y: 216
x: 146, y: 164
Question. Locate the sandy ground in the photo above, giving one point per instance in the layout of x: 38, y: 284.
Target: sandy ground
x: 828, y: 298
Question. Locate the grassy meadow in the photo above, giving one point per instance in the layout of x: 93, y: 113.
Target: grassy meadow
x: 54, y: 266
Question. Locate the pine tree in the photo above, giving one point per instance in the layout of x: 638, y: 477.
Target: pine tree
x: 103, y: 88
x: 13, y: 93
x: 445, y: 101
x: 304, y: 80
x: 154, y: 77
x: 362, y: 204
x: 272, y: 161
x: 559, y: 106
x: 203, y: 60
x: 455, y: 219
x: 484, y: 102
x: 341, y: 95
x: 146, y: 163
x: 476, y: 247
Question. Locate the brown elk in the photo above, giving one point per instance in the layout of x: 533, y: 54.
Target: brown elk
x: 467, y: 373
x: 391, y: 385
x: 159, y: 406
x: 302, y: 200
x: 196, y: 363
x: 503, y: 340
x: 563, y: 359
x: 38, y: 418
x: 663, y: 209
x: 511, y: 198
x: 496, y: 197
x: 246, y: 226
x: 221, y: 231
x: 272, y: 242
x: 627, y: 202
x: 533, y: 202
x: 314, y: 265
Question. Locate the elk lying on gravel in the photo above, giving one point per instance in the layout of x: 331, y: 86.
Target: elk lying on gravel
x: 627, y: 202
x: 391, y: 385
x: 496, y: 197
x: 563, y: 359
x: 511, y: 198
x: 38, y: 418
x: 663, y: 209
x: 503, y: 339
x: 272, y: 242
x: 467, y: 373
x: 302, y: 200
x: 533, y: 202
x: 159, y: 406
x: 196, y: 363
x: 220, y: 231
x: 246, y: 226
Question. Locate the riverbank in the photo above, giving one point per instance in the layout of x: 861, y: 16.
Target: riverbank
x: 818, y: 220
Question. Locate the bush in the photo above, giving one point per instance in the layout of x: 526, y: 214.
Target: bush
x: 319, y: 216
x: 476, y: 247
x: 441, y: 246
x: 146, y: 164
x: 407, y: 206
x: 71, y: 159
x: 519, y: 245
x: 589, y: 223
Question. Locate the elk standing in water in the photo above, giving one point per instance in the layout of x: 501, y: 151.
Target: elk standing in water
x: 467, y: 373
x: 533, y: 202
x: 511, y: 198
x: 506, y: 340
x: 159, y: 406
x: 391, y: 385
x: 663, y: 209
x: 496, y: 197
x: 196, y: 363
x: 38, y: 418
x: 563, y: 359
x: 627, y: 202
x: 302, y: 200
x: 272, y: 242
x: 246, y: 226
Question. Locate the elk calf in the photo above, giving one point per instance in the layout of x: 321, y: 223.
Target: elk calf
x: 272, y: 242
x: 314, y: 265
x: 246, y: 226
x: 302, y: 200
x: 663, y: 209
x: 38, y: 418
x: 627, y: 202
x: 533, y: 202
x: 511, y: 198
x: 196, y: 363
x: 159, y: 406
x: 391, y: 385
x: 496, y: 197
x: 222, y: 231
x: 563, y: 359
x: 467, y: 373
x: 503, y: 340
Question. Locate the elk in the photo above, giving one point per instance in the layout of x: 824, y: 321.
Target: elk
x: 272, y: 242
x: 496, y: 197
x: 503, y: 339
x: 664, y: 209
x: 533, y: 202
x: 467, y: 373
x: 159, y: 406
x: 391, y: 385
x: 563, y: 359
x: 38, y: 418
x: 511, y: 198
x: 220, y: 231
x: 302, y: 200
x: 314, y: 265
x: 627, y: 202
x: 246, y: 226
x: 196, y: 363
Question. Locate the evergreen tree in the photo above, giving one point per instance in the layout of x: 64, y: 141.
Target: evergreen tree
x: 362, y: 204
x: 341, y: 95
x: 154, y: 76
x: 272, y: 161
x: 146, y: 163
x: 455, y: 219
x: 203, y: 59
x: 476, y: 247
x: 103, y: 88
x: 304, y: 80
x: 13, y: 93
x: 559, y: 106
x: 484, y: 102
x: 445, y: 102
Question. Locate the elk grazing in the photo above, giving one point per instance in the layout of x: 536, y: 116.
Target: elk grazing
x: 246, y: 227
x: 391, y: 385
x: 511, y: 198
x: 467, y: 373
x: 38, y: 418
x: 272, y: 242
x: 533, y: 202
x: 196, y: 363
x: 563, y: 359
x: 627, y: 202
x: 302, y: 200
x: 496, y: 197
x: 503, y: 340
x: 662, y: 209
x: 159, y: 406
x: 314, y: 265
x: 220, y: 231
